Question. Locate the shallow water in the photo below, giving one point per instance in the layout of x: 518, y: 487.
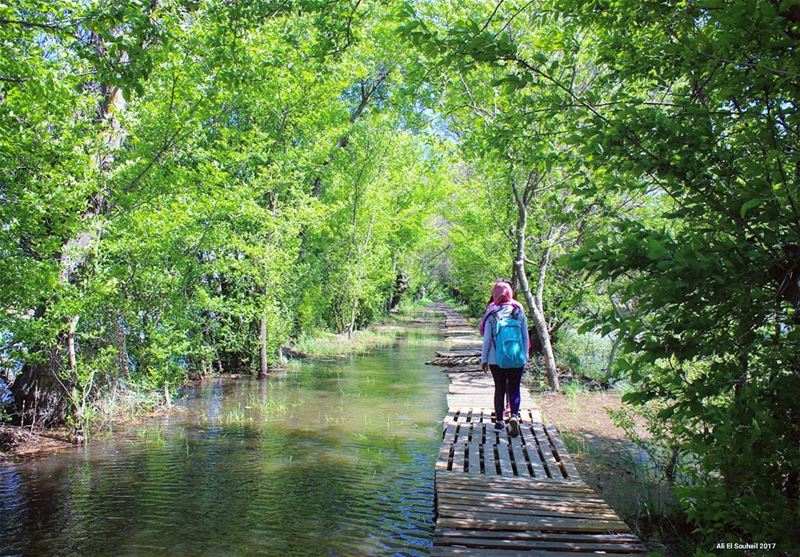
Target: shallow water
x: 334, y: 459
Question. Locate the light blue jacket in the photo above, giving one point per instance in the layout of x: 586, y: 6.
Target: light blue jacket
x: 487, y: 350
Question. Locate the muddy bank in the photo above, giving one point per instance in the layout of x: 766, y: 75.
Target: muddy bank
x: 18, y: 442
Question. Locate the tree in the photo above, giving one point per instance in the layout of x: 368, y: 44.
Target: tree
x: 213, y: 181
x: 513, y: 131
x: 689, y: 110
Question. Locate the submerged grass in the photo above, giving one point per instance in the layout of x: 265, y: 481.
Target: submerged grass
x: 270, y: 404
x: 119, y: 405
x: 152, y: 436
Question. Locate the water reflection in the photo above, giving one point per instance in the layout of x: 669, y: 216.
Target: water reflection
x: 336, y: 459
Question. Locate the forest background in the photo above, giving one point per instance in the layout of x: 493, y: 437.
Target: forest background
x: 189, y: 186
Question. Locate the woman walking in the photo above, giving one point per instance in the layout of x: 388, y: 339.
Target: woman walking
x: 504, y: 327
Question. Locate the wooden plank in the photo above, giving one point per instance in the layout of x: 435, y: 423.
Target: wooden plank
x: 533, y: 501
x: 461, y: 369
x: 504, y: 458
x: 514, y: 484
x: 492, y: 521
x: 489, y: 465
x: 524, y: 484
x: 475, y: 455
x: 562, y: 453
x: 460, y: 400
x: 520, y: 462
x: 604, y: 518
x: 502, y: 491
x: 459, y: 448
x: 455, y: 508
x: 461, y: 433
x: 612, y: 540
x: 527, y: 544
x: 480, y: 496
x: 535, y: 461
x: 478, y: 491
x: 449, y: 551
x: 474, y: 391
x: 459, y: 354
x: 443, y: 460
x: 477, y: 431
x: 449, y: 435
x: 544, y: 445
x: 532, y: 450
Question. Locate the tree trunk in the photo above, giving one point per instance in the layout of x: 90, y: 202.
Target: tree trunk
x: 39, y: 397
x: 73, y: 327
x: 541, y: 329
x: 612, y: 356
x: 351, y: 325
x: 542, y: 275
x: 264, y: 368
x: 40, y: 394
x: 536, y: 312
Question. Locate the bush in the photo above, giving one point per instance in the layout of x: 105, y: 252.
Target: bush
x: 583, y: 354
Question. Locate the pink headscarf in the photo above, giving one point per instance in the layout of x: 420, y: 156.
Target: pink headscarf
x: 501, y: 295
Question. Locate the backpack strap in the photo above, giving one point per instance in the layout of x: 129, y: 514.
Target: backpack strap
x: 494, y: 327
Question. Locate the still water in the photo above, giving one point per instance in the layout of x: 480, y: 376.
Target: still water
x: 333, y: 459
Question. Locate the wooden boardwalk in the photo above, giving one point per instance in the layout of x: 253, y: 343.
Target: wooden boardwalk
x: 498, y: 495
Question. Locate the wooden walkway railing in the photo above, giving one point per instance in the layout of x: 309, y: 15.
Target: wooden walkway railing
x: 498, y: 495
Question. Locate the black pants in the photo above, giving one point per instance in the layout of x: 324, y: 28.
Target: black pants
x: 506, y: 382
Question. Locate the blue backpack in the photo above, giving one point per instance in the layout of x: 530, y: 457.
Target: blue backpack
x: 508, y: 348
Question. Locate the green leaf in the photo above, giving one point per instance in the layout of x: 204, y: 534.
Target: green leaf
x: 655, y: 250
x: 747, y: 205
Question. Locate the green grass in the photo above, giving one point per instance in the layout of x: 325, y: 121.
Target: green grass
x: 233, y: 416
x: 573, y: 391
x: 118, y: 405
x: 152, y: 436
x: 323, y: 344
x: 576, y: 444
x: 271, y: 405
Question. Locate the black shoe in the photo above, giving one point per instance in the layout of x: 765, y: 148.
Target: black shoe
x: 498, y: 426
x: 513, y: 426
